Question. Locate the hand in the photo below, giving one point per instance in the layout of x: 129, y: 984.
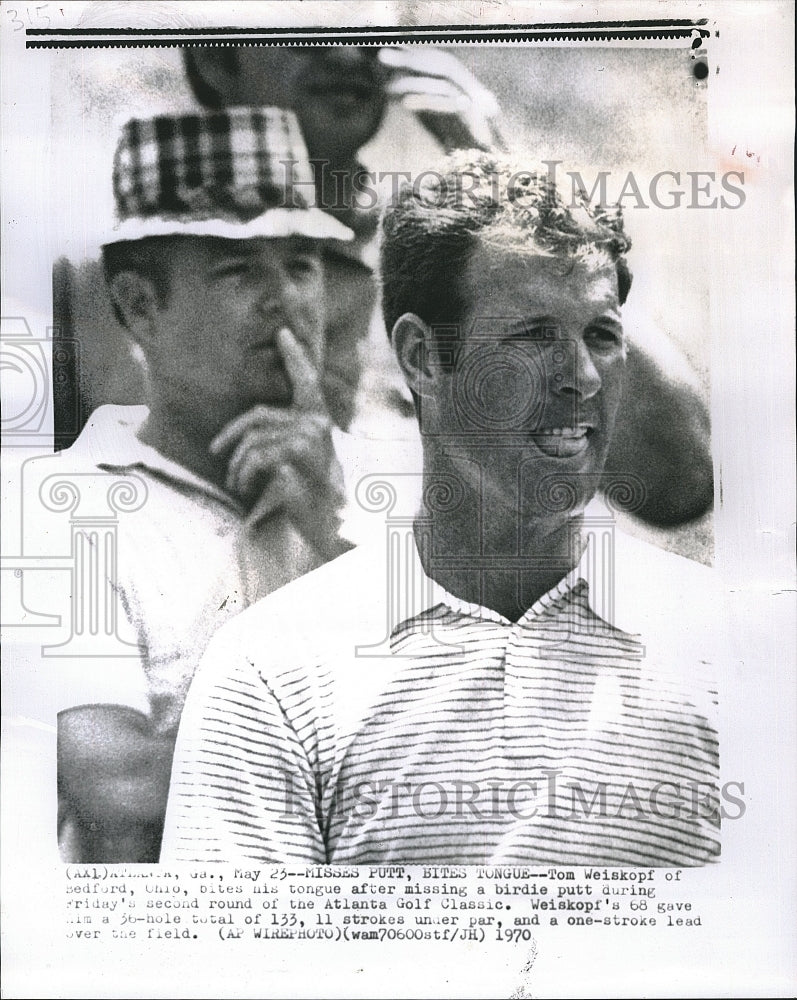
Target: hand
x: 450, y: 102
x: 283, y: 458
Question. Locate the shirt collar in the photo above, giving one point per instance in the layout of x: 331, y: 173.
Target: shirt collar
x: 595, y: 571
x: 110, y: 441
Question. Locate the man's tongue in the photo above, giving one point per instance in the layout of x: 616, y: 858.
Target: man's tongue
x: 562, y: 442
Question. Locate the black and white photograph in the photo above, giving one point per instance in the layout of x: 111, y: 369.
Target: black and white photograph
x: 398, y: 478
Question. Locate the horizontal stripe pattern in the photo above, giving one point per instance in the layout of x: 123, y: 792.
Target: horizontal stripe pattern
x: 557, y: 739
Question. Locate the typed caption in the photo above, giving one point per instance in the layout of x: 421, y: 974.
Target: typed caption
x: 378, y: 903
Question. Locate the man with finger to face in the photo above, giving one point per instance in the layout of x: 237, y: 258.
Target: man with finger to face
x: 340, y: 95
x: 215, y: 272
x: 232, y: 356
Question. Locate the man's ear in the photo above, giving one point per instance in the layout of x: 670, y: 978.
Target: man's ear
x: 137, y: 300
x: 217, y: 70
x: 410, y: 340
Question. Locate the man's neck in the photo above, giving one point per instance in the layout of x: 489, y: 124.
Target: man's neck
x: 334, y: 186
x: 188, y: 446
x: 483, y: 559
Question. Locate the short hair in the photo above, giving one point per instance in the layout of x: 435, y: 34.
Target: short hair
x: 430, y: 230
x: 150, y: 257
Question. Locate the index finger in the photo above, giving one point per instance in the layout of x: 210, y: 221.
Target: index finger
x: 260, y: 416
x: 302, y: 373
x: 443, y: 67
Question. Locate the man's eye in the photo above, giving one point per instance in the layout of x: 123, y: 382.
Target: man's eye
x: 604, y: 336
x: 534, y: 332
x: 237, y: 270
x: 303, y: 265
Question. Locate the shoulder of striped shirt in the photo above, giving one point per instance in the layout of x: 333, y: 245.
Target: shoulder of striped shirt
x: 299, y: 622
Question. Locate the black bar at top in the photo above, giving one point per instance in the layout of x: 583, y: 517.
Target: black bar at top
x: 38, y: 38
x: 376, y: 41
x: 384, y: 29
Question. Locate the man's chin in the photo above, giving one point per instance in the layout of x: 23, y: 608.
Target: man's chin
x: 562, y: 485
x: 356, y: 122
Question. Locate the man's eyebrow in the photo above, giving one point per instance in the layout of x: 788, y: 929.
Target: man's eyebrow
x: 227, y: 260
x: 304, y: 244
x: 232, y: 252
x: 610, y: 315
x: 540, y: 324
x: 531, y: 324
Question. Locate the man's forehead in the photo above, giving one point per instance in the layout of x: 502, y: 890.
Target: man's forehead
x: 545, y: 278
x: 216, y: 246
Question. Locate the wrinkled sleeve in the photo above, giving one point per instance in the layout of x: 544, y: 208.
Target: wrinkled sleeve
x: 243, y: 787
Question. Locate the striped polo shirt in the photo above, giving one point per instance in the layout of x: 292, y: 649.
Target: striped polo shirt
x: 363, y: 714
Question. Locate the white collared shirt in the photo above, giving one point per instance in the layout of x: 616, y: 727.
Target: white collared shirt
x: 394, y: 722
x: 185, y: 563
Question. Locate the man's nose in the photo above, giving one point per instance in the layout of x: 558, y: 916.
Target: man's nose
x: 578, y: 376
x: 270, y: 288
x: 275, y: 283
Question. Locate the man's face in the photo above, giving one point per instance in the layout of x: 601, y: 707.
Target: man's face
x: 336, y: 92
x: 537, y: 381
x: 214, y: 352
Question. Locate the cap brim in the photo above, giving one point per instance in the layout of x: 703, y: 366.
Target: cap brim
x: 275, y: 223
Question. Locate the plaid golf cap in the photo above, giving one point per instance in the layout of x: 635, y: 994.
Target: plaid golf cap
x: 236, y: 173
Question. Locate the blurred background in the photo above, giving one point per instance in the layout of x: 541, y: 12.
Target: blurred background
x: 620, y: 108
